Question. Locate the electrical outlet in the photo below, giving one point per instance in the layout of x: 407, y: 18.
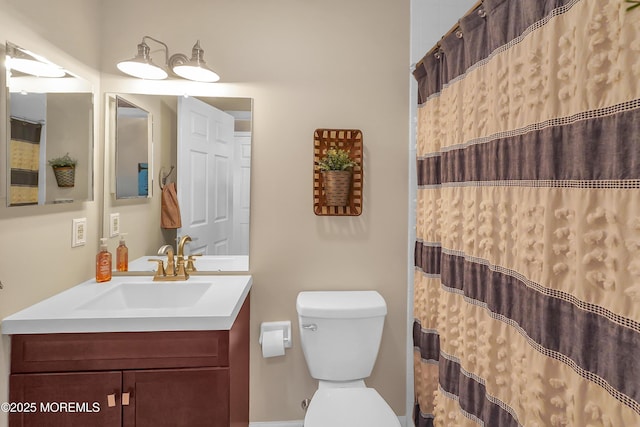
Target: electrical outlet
x: 114, y: 224
x: 79, y: 232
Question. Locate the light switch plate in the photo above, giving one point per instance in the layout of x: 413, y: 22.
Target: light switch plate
x: 114, y: 224
x: 79, y: 232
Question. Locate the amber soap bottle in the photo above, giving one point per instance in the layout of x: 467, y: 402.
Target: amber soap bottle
x: 122, y: 255
x: 103, y: 262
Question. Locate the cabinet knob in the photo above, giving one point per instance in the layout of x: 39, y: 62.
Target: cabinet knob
x: 111, y: 400
x: 125, y: 399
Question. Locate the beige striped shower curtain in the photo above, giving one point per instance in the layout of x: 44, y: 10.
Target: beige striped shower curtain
x: 527, y: 282
x: 24, y: 162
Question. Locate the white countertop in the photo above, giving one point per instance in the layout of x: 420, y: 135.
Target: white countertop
x: 134, y: 304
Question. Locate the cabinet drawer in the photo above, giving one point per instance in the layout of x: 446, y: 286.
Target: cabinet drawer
x: 118, y: 350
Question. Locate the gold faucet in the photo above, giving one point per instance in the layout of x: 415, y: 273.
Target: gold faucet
x: 189, y: 260
x: 184, y: 239
x: 172, y: 272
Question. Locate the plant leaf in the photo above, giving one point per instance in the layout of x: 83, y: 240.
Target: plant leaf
x: 634, y: 4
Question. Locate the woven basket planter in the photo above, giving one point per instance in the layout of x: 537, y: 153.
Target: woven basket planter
x: 337, y: 186
x: 65, y: 176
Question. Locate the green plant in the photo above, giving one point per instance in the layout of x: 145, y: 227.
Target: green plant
x: 63, y: 161
x: 634, y: 4
x: 336, y: 159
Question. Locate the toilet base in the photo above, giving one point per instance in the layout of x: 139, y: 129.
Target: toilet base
x: 337, y: 406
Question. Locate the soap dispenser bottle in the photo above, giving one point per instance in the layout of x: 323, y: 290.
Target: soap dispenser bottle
x: 103, y: 262
x: 122, y: 255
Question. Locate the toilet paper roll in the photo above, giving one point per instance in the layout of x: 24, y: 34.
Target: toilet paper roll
x: 273, y: 343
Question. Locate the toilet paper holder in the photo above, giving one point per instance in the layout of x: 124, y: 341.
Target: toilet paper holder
x: 284, y: 325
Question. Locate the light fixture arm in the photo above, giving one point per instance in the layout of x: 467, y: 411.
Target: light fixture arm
x: 166, y: 48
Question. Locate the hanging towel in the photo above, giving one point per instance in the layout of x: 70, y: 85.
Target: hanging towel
x: 170, y: 214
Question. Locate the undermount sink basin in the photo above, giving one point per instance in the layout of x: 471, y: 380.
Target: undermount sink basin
x: 137, y: 295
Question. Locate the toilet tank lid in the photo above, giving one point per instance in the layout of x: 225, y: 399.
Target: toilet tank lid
x: 341, y: 304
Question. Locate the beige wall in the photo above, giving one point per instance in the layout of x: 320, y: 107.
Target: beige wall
x: 307, y: 65
x: 36, y: 258
x: 69, y: 121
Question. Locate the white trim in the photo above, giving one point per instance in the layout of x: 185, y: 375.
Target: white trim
x: 297, y: 423
x: 411, y: 239
x: 277, y: 424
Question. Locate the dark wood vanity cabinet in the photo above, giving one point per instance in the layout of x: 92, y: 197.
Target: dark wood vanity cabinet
x: 142, y: 379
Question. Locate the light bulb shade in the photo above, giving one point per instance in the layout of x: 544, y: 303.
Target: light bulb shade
x: 35, y: 67
x: 196, y: 68
x: 196, y: 72
x: 142, y: 70
x: 142, y: 66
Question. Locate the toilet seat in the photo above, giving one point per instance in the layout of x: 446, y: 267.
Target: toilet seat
x: 349, y: 407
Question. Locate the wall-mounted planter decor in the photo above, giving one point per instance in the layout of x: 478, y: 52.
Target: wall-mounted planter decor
x: 65, y: 176
x: 64, y: 169
x: 337, y: 192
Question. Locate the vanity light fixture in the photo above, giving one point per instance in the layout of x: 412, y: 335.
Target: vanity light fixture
x: 142, y: 66
x: 29, y: 63
x: 195, y: 68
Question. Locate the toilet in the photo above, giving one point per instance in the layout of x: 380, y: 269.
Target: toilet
x: 340, y: 333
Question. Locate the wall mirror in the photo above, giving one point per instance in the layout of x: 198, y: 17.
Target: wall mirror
x: 202, y: 144
x: 49, y: 154
x: 132, y: 128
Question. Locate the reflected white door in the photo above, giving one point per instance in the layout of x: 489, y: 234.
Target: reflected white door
x: 205, y: 156
x: 241, y: 198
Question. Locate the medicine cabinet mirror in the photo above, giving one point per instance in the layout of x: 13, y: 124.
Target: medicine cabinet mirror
x: 49, y: 116
x: 131, y: 128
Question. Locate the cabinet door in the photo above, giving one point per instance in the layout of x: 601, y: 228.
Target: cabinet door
x: 78, y: 399
x: 176, y: 398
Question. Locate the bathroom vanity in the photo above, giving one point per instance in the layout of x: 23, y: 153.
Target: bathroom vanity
x: 175, y: 364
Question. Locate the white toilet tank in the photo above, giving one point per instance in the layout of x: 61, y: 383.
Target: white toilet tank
x: 340, y: 332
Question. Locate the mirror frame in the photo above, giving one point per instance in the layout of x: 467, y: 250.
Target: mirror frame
x: 114, y: 135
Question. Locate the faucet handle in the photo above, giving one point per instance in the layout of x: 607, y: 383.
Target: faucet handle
x: 165, y: 249
x: 160, y: 272
x: 191, y: 262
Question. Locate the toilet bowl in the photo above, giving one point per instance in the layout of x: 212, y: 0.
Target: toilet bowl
x: 340, y: 334
x: 349, y: 407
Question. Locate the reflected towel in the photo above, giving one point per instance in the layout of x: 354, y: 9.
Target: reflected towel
x: 170, y: 214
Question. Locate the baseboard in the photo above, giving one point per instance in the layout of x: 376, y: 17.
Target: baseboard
x: 297, y: 423
x: 277, y: 424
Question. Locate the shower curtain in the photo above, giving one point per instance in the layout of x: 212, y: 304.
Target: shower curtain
x: 24, y: 161
x: 527, y: 280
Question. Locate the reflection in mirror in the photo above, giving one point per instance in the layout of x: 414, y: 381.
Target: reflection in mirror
x: 203, y: 146
x: 133, y: 139
x: 50, y: 124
